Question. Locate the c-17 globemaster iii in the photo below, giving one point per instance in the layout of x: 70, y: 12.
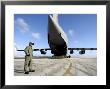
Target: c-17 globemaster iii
x: 58, y: 40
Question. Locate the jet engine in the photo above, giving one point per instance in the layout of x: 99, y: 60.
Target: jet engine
x: 42, y: 51
x: 71, y: 51
x: 82, y: 52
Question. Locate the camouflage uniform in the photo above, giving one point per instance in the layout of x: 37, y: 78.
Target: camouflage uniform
x: 28, y: 59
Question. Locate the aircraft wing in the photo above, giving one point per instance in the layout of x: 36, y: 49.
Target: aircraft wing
x: 82, y: 50
x: 43, y: 51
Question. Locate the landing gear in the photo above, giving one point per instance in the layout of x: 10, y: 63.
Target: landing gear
x: 59, y: 57
x: 68, y: 56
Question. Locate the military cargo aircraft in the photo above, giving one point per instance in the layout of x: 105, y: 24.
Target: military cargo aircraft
x: 58, y: 40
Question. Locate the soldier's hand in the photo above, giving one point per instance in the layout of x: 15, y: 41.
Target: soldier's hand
x: 27, y: 54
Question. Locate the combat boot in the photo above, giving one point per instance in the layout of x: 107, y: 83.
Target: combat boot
x: 31, y: 70
x: 27, y: 72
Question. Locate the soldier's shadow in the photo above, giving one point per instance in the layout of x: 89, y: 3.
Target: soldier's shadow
x: 18, y: 71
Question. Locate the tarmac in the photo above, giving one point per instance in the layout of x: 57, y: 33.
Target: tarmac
x: 58, y: 67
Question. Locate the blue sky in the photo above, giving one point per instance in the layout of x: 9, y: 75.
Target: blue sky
x: 81, y: 30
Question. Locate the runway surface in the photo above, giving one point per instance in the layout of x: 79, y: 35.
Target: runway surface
x: 58, y: 67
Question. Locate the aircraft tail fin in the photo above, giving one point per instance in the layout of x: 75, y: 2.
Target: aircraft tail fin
x: 55, y: 17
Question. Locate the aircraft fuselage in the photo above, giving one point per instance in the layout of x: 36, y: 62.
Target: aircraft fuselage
x: 57, y: 38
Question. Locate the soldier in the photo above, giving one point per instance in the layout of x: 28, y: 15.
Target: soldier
x: 28, y: 59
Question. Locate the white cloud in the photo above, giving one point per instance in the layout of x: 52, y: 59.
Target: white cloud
x: 16, y: 53
x: 36, y: 35
x: 16, y: 46
x: 15, y: 50
x: 71, y: 32
x: 22, y: 25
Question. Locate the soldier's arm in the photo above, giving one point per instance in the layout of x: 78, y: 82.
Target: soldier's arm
x: 26, y: 50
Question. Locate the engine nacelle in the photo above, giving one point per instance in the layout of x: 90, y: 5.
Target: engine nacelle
x: 82, y: 52
x: 43, y: 52
x: 71, y: 51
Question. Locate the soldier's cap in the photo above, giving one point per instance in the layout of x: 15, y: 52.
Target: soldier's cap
x: 30, y: 43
